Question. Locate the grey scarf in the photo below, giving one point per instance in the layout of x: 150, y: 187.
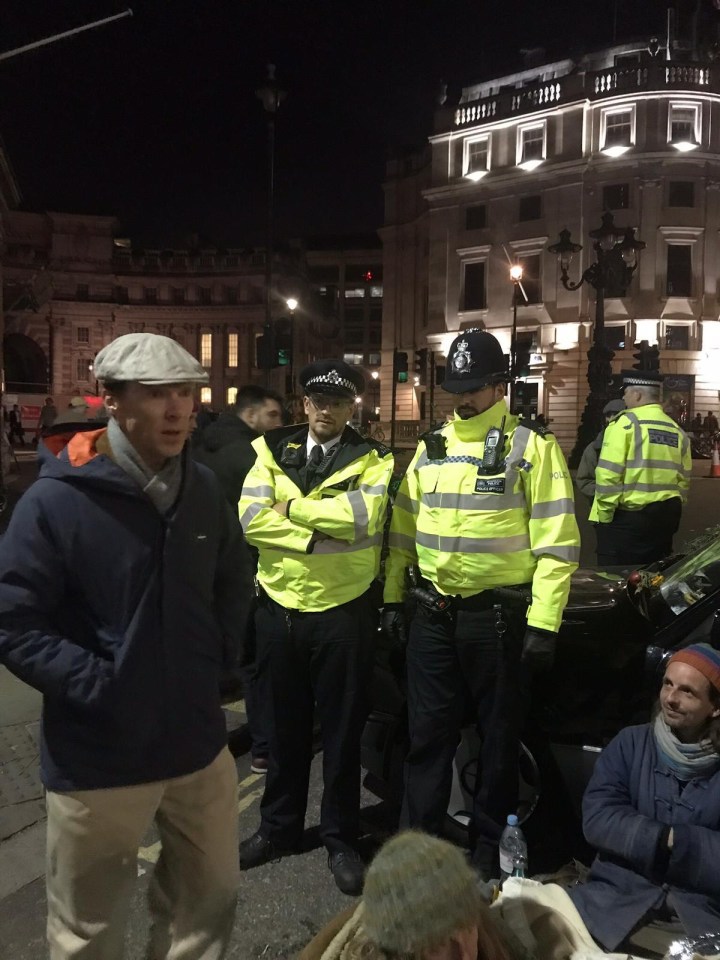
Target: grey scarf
x: 162, y: 487
x: 686, y: 760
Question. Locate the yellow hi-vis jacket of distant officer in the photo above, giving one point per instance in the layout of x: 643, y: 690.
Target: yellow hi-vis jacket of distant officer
x: 469, y: 532
x: 327, y: 552
x: 645, y: 458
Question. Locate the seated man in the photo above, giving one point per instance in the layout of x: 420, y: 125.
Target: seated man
x: 652, y: 810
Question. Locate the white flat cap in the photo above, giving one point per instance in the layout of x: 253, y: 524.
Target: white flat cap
x: 147, y: 358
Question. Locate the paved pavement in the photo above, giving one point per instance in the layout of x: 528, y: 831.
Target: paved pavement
x: 282, y: 904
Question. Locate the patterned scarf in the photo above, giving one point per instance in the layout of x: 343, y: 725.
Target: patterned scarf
x: 162, y: 487
x: 686, y: 760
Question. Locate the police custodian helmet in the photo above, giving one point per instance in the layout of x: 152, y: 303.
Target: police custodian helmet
x: 475, y: 360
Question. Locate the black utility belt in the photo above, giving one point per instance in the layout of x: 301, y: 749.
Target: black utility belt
x: 427, y: 594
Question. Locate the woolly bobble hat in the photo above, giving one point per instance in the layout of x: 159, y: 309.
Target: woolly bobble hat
x: 418, y: 891
x: 704, y: 658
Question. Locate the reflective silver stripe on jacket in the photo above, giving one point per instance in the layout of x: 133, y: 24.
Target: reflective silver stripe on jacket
x: 361, y: 519
x: 473, y: 501
x: 640, y: 487
x: 552, y: 508
x: 250, y: 513
x: 342, y: 546
x: 472, y: 544
x: 262, y: 491
x: 405, y: 503
x: 401, y: 541
x: 568, y: 554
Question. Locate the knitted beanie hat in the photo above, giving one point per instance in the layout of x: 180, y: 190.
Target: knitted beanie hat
x: 418, y: 891
x: 704, y: 658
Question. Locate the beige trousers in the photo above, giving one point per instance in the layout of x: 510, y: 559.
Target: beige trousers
x: 92, y: 848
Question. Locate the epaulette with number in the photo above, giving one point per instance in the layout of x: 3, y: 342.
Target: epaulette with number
x: 379, y: 448
x: 536, y: 427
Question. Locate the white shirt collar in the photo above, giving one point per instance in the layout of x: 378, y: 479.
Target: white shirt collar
x: 325, y: 446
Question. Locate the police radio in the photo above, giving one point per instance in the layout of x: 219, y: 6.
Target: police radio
x: 493, y: 452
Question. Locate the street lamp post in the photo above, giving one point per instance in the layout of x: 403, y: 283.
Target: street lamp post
x: 271, y: 95
x: 292, y: 305
x: 616, y: 262
x: 375, y: 377
x: 516, y: 275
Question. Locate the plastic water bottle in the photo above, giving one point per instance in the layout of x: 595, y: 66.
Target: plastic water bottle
x: 513, y: 850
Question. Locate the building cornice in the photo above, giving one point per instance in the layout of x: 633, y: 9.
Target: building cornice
x: 582, y: 168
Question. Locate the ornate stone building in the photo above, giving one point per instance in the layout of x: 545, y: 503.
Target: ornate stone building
x: 633, y: 129
x: 85, y: 285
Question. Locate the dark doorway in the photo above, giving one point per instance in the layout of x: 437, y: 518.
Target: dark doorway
x: 26, y: 366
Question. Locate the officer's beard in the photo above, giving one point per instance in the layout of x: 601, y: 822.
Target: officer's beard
x: 467, y: 411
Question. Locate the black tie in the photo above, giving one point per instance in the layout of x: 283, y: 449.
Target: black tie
x: 314, y: 460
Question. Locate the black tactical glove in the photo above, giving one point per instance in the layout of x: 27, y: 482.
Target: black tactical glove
x: 538, y: 653
x: 394, y: 625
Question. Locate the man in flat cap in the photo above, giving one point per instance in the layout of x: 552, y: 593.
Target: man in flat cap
x: 124, y: 585
x: 314, y: 505
x: 486, y: 502
x: 642, y: 477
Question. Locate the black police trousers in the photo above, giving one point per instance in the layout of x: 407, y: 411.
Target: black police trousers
x: 637, y: 537
x: 460, y: 667
x: 305, y: 659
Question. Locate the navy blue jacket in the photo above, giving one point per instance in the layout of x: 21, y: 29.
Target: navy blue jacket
x: 122, y: 618
x: 630, y: 804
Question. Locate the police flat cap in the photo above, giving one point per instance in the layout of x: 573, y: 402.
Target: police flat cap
x: 475, y: 360
x: 147, y: 358
x: 613, y: 406
x: 642, y: 378
x: 333, y: 377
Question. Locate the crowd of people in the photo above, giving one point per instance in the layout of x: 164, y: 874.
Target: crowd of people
x: 144, y: 566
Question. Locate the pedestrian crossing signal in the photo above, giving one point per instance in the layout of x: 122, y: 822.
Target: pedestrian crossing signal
x: 401, y: 366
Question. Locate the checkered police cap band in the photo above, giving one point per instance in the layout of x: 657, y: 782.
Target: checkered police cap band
x: 640, y: 381
x: 331, y: 379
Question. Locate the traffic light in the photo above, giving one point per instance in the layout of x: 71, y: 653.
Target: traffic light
x: 400, y: 361
x: 265, y: 349
x: 421, y: 359
x: 274, y: 347
x: 647, y: 357
x: 283, y: 341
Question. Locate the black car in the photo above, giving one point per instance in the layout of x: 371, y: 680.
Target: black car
x: 617, y: 630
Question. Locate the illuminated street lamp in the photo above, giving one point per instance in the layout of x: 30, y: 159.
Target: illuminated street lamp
x: 516, y: 275
x: 616, y: 254
x: 292, y: 304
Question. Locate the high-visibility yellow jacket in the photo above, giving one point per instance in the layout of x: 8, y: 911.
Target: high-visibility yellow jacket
x: 645, y: 458
x: 327, y: 551
x: 469, y: 532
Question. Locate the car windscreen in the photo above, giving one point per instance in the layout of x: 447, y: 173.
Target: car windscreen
x: 692, y: 579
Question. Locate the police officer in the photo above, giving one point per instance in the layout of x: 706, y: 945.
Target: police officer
x: 642, y: 477
x: 314, y: 505
x: 486, y: 502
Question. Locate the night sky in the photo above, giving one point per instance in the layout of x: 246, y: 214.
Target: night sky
x: 154, y: 119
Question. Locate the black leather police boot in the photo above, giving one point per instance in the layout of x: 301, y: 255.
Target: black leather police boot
x: 257, y: 850
x: 348, y: 871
